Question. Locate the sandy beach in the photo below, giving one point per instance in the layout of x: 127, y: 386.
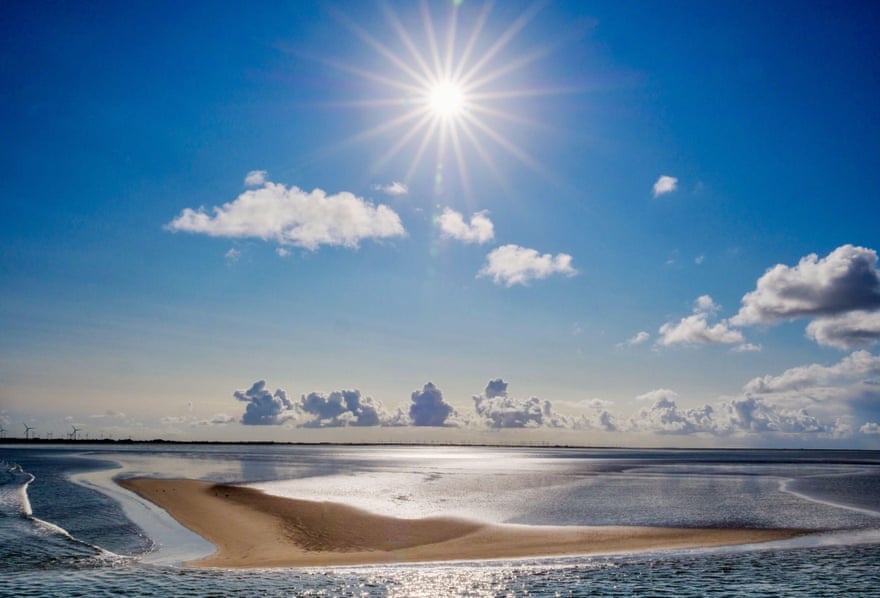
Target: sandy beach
x: 254, y: 529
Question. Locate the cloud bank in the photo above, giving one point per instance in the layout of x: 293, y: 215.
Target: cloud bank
x: 291, y: 216
x: 512, y: 264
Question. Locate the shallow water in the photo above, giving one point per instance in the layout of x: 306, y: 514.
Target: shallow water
x: 62, y: 538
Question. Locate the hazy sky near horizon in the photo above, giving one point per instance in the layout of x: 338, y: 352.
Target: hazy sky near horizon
x: 594, y: 222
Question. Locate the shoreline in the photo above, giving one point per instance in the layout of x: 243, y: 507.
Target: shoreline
x: 252, y: 529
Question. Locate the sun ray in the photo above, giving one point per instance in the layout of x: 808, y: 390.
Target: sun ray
x: 524, y: 93
x: 450, y: 45
x: 484, y: 155
x: 447, y: 83
x: 376, y: 78
x: 502, y: 41
x: 459, y: 160
x: 406, y: 38
x: 508, y: 116
x: 423, y: 146
x: 521, y: 155
x: 508, y: 68
x: 426, y: 119
x: 432, y: 42
x: 475, y: 35
x: 384, y: 51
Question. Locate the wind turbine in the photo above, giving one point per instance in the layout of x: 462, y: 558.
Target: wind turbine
x: 27, y: 431
x: 75, y: 430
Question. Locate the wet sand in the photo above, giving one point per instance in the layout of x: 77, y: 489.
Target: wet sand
x: 254, y: 529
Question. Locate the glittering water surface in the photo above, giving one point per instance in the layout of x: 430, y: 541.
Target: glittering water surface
x: 67, y: 530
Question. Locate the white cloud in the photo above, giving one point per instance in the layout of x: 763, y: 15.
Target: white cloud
x: 699, y: 259
x: 294, y: 217
x: 480, y: 230
x: 857, y: 365
x: 264, y: 407
x: 847, y: 331
x: 232, y: 255
x: 255, y: 178
x: 665, y: 417
x: 736, y: 417
x: 342, y: 408
x: 512, y: 264
x: 845, y: 280
x: 870, y: 428
x: 658, y: 395
x: 638, y: 339
x: 395, y: 188
x: 665, y: 184
x: 695, y: 329
x: 282, y: 251
x: 747, y: 348
x: 500, y: 410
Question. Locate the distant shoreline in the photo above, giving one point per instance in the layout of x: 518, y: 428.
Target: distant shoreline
x: 254, y: 529
x: 535, y: 445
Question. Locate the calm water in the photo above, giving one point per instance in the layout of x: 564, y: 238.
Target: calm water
x: 67, y: 530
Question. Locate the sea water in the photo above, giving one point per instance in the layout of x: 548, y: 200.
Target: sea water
x: 66, y: 529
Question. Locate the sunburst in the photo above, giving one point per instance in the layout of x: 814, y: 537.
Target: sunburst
x: 446, y: 91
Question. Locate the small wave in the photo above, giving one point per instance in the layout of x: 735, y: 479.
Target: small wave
x: 13, y: 490
x: 785, y: 486
x: 14, y: 502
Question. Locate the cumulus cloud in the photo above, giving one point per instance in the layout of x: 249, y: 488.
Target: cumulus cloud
x: 856, y: 366
x: 695, y: 329
x: 395, y: 188
x: 255, y: 178
x: 665, y: 184
x: 232, y: 255
x: 428, y: 407
x: 496, y: 388
x: 739, y: 416
x: 663, y: 416
x: 512, y: 264
x: 845, y: 280
x: 291, y: 216
x: 264, y: 407
x: 638, y: 339
x: 500, y: 410
x: 598, y: 417
x: 847, y: 331
x: 870, y: 428
x: 480, y: 229
x: 341, y: 408
x: 751, y: 414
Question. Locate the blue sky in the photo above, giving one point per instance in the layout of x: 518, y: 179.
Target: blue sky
x: 660, y: 221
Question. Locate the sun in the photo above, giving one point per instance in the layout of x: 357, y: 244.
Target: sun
x: 453, y: 92
x: 446, y: 99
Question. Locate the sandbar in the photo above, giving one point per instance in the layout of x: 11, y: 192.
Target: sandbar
x: 252, y: 529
